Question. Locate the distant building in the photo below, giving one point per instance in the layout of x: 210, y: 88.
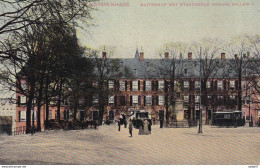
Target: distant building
x: 7, y: 116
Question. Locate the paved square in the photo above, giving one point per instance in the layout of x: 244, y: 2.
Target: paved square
x: 109, y: 146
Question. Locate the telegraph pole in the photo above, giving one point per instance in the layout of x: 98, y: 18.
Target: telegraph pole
x: 200, y: 119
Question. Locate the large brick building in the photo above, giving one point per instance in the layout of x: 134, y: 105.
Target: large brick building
x: 149, y: 85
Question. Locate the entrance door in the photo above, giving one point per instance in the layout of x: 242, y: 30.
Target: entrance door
x: 82, y: 115
x: 161, y: 114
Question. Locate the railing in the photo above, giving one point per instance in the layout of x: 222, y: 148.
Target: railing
x: 19, y: 130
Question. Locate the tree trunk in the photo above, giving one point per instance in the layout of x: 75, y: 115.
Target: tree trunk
x: 31, y: 81
x: 59, y: 101
x: 39, y: 106
x: 47, y: 102
x: 240, y: 90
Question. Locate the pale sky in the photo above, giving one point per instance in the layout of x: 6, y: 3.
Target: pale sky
x: 152, y: 27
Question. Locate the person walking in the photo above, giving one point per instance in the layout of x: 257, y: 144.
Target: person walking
x: 130, y: 126
x: 119, y: 124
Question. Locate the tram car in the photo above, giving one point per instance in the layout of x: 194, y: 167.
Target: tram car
x: 228, y: 118
x: 138, y: 116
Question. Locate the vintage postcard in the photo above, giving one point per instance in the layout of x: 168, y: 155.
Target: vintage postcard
x: 124, y: 82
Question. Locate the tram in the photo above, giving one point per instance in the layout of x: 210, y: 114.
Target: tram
x: 228, y: 118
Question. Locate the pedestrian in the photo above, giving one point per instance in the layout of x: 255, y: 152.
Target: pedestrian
x: 130, y: 126
x: 119, y: 125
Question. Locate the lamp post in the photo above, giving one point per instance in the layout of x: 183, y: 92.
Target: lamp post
x: 200, y: 119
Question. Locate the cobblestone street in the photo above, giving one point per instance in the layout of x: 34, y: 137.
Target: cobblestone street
x: 109, y: 146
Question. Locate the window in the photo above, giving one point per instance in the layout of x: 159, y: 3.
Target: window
x: 161, y: 100
x: 208, y: 84
x: 220, y: 85
x: 35, y: 115
x: 23, y: 99
x: 186, y: 98
x: 111, y: 100
x: 122, y: 100
x: 186, y: 84
x: 122, y: 85
x: 161, y: 85
x: 148, y: 100
x: 110, y: 84
x: 24, y: 86
x: 135, y: 99
x: 95, y: 99
x: 148, y: 86
x: 232, y: 84
x: 197, y: 84
x: 135, y: 86
x: 50, y: 114
x: 258, y: 113
x: 22, y: 116
x: 197, y: 99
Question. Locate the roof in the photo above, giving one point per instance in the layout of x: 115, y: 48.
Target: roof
x: 134, y: 68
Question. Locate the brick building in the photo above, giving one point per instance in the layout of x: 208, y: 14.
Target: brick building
x: 150, y: 86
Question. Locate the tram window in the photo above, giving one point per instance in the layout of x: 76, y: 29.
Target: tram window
x: 226, y: 115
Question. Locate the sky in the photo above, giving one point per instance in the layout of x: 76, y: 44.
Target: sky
x: 126, y: 27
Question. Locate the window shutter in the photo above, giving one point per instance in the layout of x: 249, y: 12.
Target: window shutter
x: 157, y: 100
x: 139, y: 85
x: 152, y: 85
x: 165, y: 86
x: 125, y: 85
x: 131, y: 85
x: 144, y: 85
x: 144, y: 100
x: 192, y: 85
x: 216, y: 85
x: 224, y: 84
x: 211, y: 85
x: 139, y: 100
x: 153, y: 100
x: 131, y: 100
x: 19, y: 100
x: 19, y: 115
x: 156, y: 85
x: 236, y: 85
x: 115, y: 100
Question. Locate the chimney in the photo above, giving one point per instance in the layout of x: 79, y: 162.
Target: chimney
x: 236, y: 57
x: 248, y: 54
x: 190, y: 55
x: 223, y: 56
x: 104, y: 53
x: 141, y: 55
x: 166, y: 54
